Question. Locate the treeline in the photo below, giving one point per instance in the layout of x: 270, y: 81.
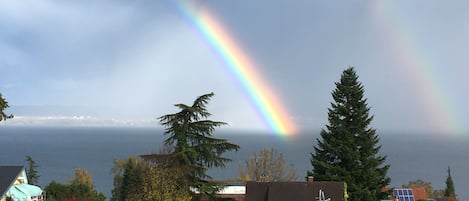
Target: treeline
x: 80, y: 188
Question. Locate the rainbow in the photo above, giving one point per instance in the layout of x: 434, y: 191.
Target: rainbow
x: 243, y: 68
x: 419, y: 69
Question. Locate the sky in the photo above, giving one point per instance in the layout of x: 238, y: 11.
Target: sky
x: 129, y: 62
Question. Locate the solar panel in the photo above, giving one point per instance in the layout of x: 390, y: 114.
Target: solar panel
x: 404, y: 194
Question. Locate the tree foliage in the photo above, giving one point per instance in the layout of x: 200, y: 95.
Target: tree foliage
x: 450, y: 193
x: 195, y: 148
x: 82, y: 176
x: 80, y: 188
x: 348, y: 150
x: 135, y: 179
x: 126, y: 176
x: 31, y: 172
x: 267, y: 165
x: 4, y: 105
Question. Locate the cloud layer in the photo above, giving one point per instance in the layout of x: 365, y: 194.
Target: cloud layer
x: 134, y: 60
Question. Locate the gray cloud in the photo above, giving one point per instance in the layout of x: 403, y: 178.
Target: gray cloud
x: 127, y: 60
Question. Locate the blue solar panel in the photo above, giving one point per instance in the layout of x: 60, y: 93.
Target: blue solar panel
x: 404, y: 194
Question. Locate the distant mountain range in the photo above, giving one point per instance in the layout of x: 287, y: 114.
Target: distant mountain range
x: 68, y: 116
x: 76, y: 121
x: 45, y: 110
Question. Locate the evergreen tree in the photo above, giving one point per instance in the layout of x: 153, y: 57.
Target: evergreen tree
x: 450, y: 193
x: 349, y: 148
x: 131, y: 179
x: 31, y: 172
x: 4, y: 105
x: 195, y: 148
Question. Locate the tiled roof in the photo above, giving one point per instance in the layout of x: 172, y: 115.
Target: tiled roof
x: 8, y: 175
x: 420, y: 193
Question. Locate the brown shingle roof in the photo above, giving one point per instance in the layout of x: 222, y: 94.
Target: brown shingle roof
x: 333, y: 190
x: 293, y: 191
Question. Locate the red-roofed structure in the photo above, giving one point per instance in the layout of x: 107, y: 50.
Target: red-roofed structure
x: 416, y: 194
x: 420, y: 193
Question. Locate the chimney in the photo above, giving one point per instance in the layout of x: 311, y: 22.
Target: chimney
x: 310, y: 179
x: 263, y: 178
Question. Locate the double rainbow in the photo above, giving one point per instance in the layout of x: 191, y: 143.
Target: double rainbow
x: 243, y: 68
x: 419, y: 69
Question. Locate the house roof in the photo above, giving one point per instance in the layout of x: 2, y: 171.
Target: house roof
x: 333, y: 190
x: 8, y: 175
x: 24, y: 191
x: 420, y: 193
x: 293, y: 191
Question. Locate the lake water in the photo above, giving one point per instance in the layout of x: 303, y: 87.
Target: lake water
x: 59, y: 150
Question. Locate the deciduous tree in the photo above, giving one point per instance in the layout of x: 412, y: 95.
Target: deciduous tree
x: 348, y: 149
x: 82, y: 176
x: 80, y: 188
x: 135, y: 179
x: 267, y: 165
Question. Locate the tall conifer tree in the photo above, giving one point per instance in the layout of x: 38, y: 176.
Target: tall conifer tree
x: 33, y: 175
x: 450, y: 193
x: 195, y: 147
x: 348, y: 150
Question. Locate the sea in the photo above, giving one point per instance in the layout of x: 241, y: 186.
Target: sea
x: 59, y: 150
